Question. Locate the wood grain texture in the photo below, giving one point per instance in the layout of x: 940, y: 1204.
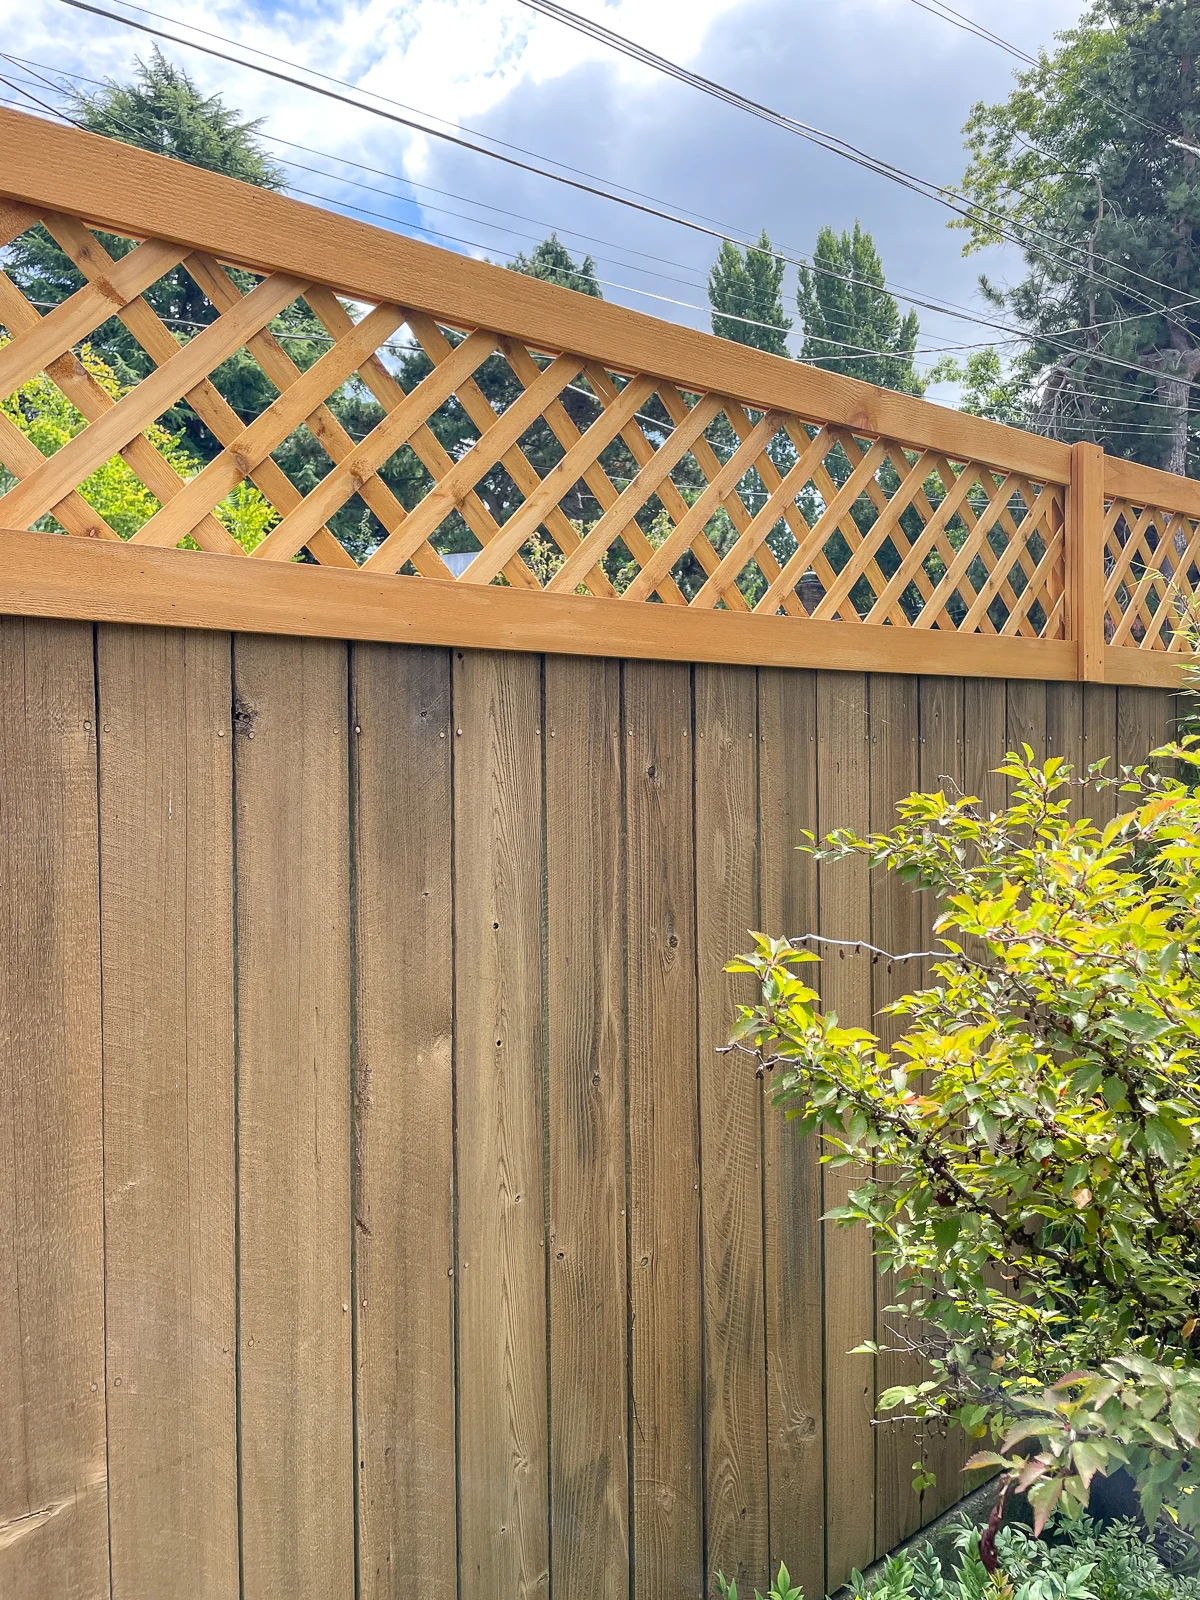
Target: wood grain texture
x: 727, y: 909
x: 130, y: 190
x: 1143, y: 721
x: 941, y: 766
x: 589, y: 1452
x: 53, y: 1488
x: 500, y: 1054
x: 1100, y: 744
x: 1064, y: 735
x: 664, y: 1171
x: 166, y: 836
x: 895, y: 927
x: 404, y: 1121
x: 791, y: 1175
x: 843, y: 801
x: 43, y: 574
x: 293, y: 999
x: 985, y: 733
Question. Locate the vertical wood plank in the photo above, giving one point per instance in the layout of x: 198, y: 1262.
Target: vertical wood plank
x: 53, y: 1490
x: 589, y: 1467
x: 1100, y: 744
x: 293, y: 998
x: 1064, y: 737
x: 404, y: 1121
x: 500, y: 1055
x: 1142, y: 721
x: 731, y: 1192
x: 985, y: 742
x: 1027, y: 717
x: 896, y: 927
x: 664, y: 1168
x: 166, y: 832
x: 843, y: 801
x: 942, y: 767
x: 791, y: 1174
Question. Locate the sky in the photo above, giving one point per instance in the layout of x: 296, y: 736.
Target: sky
x: 888, y: 75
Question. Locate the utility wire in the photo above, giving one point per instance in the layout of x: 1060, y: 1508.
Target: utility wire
x: 827, y: 141
x: 675, y: 217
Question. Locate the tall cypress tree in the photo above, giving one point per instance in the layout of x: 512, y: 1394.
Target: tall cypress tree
x: 745, y: 290
x: 851, y: 323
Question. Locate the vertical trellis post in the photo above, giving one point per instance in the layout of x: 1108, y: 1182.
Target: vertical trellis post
x: 1085, y: 559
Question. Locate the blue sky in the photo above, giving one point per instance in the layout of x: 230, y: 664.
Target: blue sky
x: 883, y: 73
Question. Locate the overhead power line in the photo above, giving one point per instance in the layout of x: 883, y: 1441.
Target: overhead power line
x: 995, y: 219
x: 599, y: 191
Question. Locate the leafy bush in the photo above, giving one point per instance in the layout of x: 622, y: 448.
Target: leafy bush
x: 1030, y: 1146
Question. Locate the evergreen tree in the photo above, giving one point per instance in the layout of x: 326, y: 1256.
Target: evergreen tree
x: 1094, y: 160
x: 745, y: 292
x: 552, y: 262
x: 162, y: 110
x: 851, y: 323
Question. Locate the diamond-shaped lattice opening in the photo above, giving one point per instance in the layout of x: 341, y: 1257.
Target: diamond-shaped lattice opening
x: 1151, y: 578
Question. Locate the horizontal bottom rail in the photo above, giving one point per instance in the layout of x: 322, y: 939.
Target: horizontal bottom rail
x: 48, y: 575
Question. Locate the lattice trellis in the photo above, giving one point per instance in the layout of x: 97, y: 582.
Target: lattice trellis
x: 1151, y: 577
x: 391, y: 442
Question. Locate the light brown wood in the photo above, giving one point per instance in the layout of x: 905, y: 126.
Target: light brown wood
x: 500, y: 1061
x: 404, y: 1122
x: 1085, y: 557
x: 895, y: 927
x: 36, y: 347
x: 791, y: 1175
x: 664, y: 1171
x: 557, y: 481
x: 46, y: 575
x: 91, y: 399
x: 384, y: 439
x: 843, y: 801
x: 727, y: 909
x: 585, y: 878
x: 466, y: 472
x: 42, y: 489
x: 93, y: 261
x: 166, y: 837
x: 1129, y: 480
x: 128, y: 190
x: 268, y: 430
x: 293, y: 1000
x: 53, y: 1484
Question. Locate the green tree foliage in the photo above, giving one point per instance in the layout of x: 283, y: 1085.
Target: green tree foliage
x: 851, y: 323
x: 1081, y: 161
x: 1030, y: 1145
x: 43, y: 413
x: 552, y: 262
x: 745, y: 290
x: 162, y: 110
x: 988, y: 388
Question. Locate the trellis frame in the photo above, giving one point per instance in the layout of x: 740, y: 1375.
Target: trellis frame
x: 1104, y: 552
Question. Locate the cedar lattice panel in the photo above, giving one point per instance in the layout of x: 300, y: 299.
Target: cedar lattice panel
x: 556, y: 472
x: 1151, y: 577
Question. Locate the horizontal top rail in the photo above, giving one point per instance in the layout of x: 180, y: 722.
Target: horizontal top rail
x: 423, y: 414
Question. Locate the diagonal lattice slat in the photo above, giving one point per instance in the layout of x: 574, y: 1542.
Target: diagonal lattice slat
x: 543, y: 467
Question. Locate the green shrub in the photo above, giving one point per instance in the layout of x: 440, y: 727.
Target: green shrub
x: 1030, y: 1146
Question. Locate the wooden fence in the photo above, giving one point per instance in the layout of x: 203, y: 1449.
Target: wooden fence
x: 379, y: 1217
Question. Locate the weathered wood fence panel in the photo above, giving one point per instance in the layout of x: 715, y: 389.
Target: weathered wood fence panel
x: 379, y: 1216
